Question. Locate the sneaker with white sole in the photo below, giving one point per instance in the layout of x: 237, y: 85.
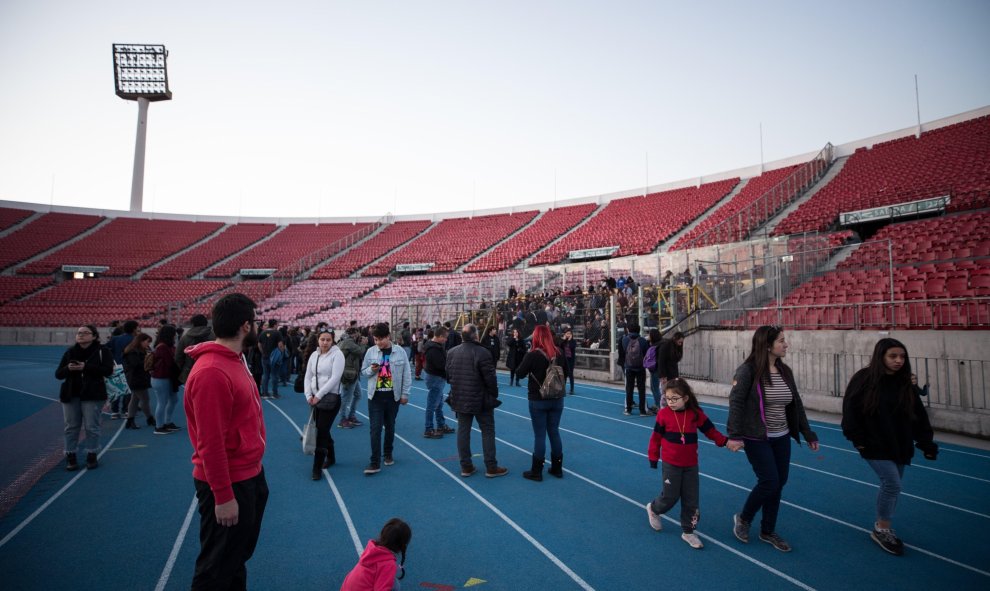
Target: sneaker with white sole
x: 740, y: 528
x: 776, y: 541
x: 655, y: 521
x: 693, y: 540
x: 372, y: 469
x: 886, y: 539
x: 389, y: 461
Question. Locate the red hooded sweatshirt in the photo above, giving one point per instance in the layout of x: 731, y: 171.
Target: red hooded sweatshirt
x: 223, y: 414
x: 375, y: 570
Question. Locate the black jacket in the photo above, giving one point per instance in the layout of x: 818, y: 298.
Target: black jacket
x: 471, y: 374
x: 494, y: 347
x: 514, y: 351
x: 453, y: 339
x: 193, y: 336
x: 534, y: 367
x: 137, y: 378
x: 886, y: 434
x: 668, y: 355
x: 436, y: 359
x: 89, y: 383
x: 746, y: 416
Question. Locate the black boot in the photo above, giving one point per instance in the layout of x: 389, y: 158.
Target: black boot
x: 71, y: 462
x: 556, y: 466
x: 151, y: 422
x: 130, y: 424
x: 536, y: 472
x: 331, y: 457
x: 91, y: 461
x: 318, y: 457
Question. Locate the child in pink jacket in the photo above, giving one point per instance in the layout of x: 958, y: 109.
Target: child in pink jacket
x: 379, y: 569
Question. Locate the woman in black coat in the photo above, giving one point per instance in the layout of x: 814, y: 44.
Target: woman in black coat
x: 515, y: 349
x: 83, y: 369
x: 138, y: 379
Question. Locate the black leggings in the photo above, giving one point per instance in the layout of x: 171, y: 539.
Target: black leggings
x: 324, y: 413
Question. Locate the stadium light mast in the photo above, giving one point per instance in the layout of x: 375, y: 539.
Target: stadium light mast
x: 140, y: 74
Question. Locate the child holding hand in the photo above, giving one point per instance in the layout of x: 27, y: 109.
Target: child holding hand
x: 675, y: 441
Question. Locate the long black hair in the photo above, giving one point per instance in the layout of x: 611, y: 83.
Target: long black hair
x: 759, y: 355
x: 166, y: 334
x: 396, y: 535
x: 684, y: 390
x: 877, y: 370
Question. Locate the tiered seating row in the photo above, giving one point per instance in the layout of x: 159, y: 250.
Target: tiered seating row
x: 548, y: 228
x: 288, y: 247
x: 234, y: 239
x: 44, y: 233
x: 10, y: 216
x: 639, y: 224
x: 385, y: 241
x: 453, y: 242
x: 949, y: 160
x: 309, y: 297
x: 12, y: 288
x: 126, y: 245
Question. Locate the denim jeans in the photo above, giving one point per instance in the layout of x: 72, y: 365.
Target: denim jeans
x: 382, y: 409
x: 486, y: 424
x: 284, y: 369
x: 78, y: 415
x: 349, y: 396
x: 434, y: 401
x: 165, y: 400
x: 545, y: 415
x: 268, y: 374
x: 637, y: 378
x: 890, y: 474
x: 771, y: 461
x: 655, y: 389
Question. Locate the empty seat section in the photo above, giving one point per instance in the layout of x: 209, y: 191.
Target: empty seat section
x: 637, y: 225
x: 12, y: 288
x: 126, y: 245
x: 230, y: 241
x: 375, y: 247
x: 315, y: 295
x: 10, y: 216
x: 44, y: 233
x: 453, y: 242
x: 545, y: 230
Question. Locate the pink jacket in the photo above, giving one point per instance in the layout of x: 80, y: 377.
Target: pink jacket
x: 375, y: 570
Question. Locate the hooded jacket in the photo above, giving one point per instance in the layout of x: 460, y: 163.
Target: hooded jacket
x: 224, y: 419
x: 353, y: 356
x: 436, y: 359
x: 375, y: 570
x: 193, y: 336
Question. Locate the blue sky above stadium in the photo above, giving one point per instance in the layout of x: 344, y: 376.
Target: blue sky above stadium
x: 315, y: 108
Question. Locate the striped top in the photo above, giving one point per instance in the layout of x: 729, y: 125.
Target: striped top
x: 776, y: 397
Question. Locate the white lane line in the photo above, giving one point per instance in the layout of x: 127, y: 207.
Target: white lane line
x: 333, y: 487
x: 29, y: 393
x: 58, y: 493
x: 174, y: 554
x: 635, y: 503
x: 789, y: 504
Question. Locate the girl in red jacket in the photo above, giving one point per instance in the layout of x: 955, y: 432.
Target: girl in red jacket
x: 676, y: 435
x: 379, y: 569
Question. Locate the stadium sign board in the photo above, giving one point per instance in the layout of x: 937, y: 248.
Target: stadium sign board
x: 257, y: 272
x: 85, y: 268
x: 413, y: 267
x: 592, y: 253
x: 894, y: 211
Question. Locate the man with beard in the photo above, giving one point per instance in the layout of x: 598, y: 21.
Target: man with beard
x: 227, y: 431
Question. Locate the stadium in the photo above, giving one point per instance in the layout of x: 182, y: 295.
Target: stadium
x: 886, y: 236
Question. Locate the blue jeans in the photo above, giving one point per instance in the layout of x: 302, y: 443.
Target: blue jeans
x: 890, y: 474
x: 268, y: 373
x: 349, y: 396
x: 434, y: 401
x: 546, y: 422
x: 382, y: 409
x: 78, y: 415
x: 655, y: 388
x: 165, y: 400
x: 771, y: 461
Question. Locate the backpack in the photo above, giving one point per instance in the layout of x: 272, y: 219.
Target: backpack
x: 552, y: 387
x: 149, y: 361
x: 634, y: 354
x: 650, y: 362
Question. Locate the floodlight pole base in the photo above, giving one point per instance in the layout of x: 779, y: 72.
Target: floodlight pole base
x: 137, y: 180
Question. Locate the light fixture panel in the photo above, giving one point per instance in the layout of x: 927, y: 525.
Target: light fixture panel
x: 140, y: 71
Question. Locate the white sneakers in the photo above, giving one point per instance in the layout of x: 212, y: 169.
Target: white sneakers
x: 655, y: 521
x: 693, y: 540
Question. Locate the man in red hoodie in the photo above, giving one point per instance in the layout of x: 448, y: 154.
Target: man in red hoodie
x: 227, y: 431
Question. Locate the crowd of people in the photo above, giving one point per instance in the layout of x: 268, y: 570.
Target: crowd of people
x: 226, y: 369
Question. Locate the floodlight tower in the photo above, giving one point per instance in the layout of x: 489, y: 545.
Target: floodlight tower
x: 140, y: 74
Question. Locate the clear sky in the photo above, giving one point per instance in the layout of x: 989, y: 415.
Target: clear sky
x: 330, y: 108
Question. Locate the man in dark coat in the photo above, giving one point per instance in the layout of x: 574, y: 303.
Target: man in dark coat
x: 474, y: 395
x: 199, y: 333
x: 493, y: 345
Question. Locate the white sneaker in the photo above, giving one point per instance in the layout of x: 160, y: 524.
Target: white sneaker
x: 693, y: 540
x: 655, y: 521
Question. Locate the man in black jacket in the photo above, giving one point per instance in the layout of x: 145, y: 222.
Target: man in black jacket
x: 436, y: 379
x: 474, y: 395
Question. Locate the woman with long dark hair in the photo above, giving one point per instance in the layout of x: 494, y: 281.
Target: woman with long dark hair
x: 83, y: 369
x: 545, y: 414
x: 165, y: 380
x: 138, y: 379
x: 765, y: 409
x: 515, y: 349
x: 882, y: 416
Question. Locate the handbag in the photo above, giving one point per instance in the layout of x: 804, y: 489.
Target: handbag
x: 116, y: 382
x: 309, y: 437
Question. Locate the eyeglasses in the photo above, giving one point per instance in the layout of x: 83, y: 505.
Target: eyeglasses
x: 673, y: 398
x: 84, y: 332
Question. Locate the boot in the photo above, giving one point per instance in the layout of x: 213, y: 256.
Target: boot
x: 556, y: 466
x: 91, y: 461
x: 71, y: 462
x: 536, y: 472
x: 318, y: 457
x: 331, y: 457
x: 130, y: 424
x: 151, y: 422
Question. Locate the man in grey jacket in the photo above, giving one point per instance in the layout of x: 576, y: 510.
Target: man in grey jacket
x: 474, y: 395
x: 199, y: 333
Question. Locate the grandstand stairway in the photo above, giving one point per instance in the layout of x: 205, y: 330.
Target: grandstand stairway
x: 15, y: 268
x: 174, y: 255
x: 306, y: 274
x: 522, y: 229
x: 525, y: 262
x: 21, y: 223
x: 202, y: 273
x: 360, y: 270
x: 771, y: 224
x: 666, y: 244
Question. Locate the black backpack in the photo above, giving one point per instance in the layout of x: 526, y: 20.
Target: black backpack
x: 634, y: 354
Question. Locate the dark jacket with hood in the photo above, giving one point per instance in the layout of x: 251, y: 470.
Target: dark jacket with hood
x: 534, y: 367
x: 193, y: 336
x: 353, y: 357
x: 137, y: 377
x: 668, y: 356
x: 747, y: 418
x: 471, y: 373
x: 88, y: 384
x: 436, y: 359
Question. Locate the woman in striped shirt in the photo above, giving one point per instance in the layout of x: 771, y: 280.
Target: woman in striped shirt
x: 764, y: 410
